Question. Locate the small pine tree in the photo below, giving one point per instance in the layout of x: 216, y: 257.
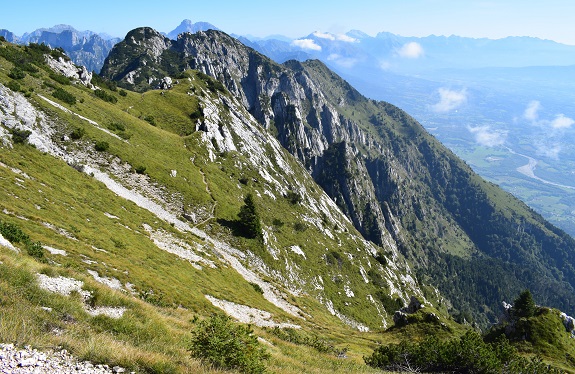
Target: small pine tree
x: 524, y: 305
x: 250, y: 219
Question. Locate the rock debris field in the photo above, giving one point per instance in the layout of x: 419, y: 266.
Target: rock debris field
x: 28, y: 360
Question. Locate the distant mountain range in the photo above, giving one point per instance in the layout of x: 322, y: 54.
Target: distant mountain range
x: 353, y: 53
x: 84, y: 47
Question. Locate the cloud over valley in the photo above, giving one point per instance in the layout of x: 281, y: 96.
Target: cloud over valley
x: 449, y: 100
x: 488, y: 137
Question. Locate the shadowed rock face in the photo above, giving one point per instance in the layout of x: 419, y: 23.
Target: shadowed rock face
x: 393, y: 180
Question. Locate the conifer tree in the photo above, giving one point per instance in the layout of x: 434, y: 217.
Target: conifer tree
x: 524, y: 305
x: 250, y: 219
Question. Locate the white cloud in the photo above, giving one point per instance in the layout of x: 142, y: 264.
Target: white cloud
x: 449, y: 100
x: 532, y: 111
x: 562, y: 122
x: 346, y: 62
x: 324, y: 35
x: 411, y: 50
x: 385, y: 65
x: 340, y: 37
x: 306, y: 44
x: 549, y: 151
x: 487, y: 137
x: 346, y: 38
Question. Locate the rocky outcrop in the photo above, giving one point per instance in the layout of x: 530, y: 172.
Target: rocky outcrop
x: 68, y: 69
x: 29, y: 360
x: 569, y: 323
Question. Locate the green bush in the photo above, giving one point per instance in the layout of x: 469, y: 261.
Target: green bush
x: 15, y: 235
x: 106, y: 96
x: 277, y: 223
x: 30, y: 68
x: 64, y: 95
x: 77, y: 133
x: 140, y: 169
x: 257, y: 288
x: 151, y: 120
x: 12, y: 233
x: 101, y: 146
x: 17, y: 73
x: 293, y: 197
x: 20, y: 136
x: 227, y: 345
x: 389, y: 303
x: 123, y: 93
x: 14, y: 86
x: 468, y: 354
x: 60, y: 78
x: 301, y: 338
x: 35, y: 249
x: 116, y: 126
x: 299, y: 227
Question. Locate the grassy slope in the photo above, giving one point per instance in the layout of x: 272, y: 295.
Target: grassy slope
x: 151, y: 336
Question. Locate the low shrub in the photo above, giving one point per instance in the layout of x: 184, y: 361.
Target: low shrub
x: 299, y: 227
x: 17, y: 73
x: 15, y: 235
x: 257, y: 288
x: 77, y: 133
x: 301, y: 338
x: 140, y: 169
x: 116, y: 126
x: 228, y: 346
x: 12, y: 233
x: 60, y: 78
x: 14, y: 86
x: 468, y: 354
x: 101, y: 146
x: 106, y: 96
x: 20, y: 136
x: 293, y: 197
x: 35, y: 249
x: 151, y: 120
x: 64, y: 95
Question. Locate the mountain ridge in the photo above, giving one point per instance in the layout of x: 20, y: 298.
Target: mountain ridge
x: 310, y: 123
x: 163, y: 174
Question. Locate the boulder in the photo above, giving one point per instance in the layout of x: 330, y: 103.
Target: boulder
x: 569, y: 323
x: 414, y: 305
x: 165, y: 83
x: 400, y: 318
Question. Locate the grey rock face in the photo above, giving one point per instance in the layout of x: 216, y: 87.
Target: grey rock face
x: 70, y: 70
x: 189, y: 26
x: 285, y: 98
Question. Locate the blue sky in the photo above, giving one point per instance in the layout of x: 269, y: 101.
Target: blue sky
x: 549, y: 19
